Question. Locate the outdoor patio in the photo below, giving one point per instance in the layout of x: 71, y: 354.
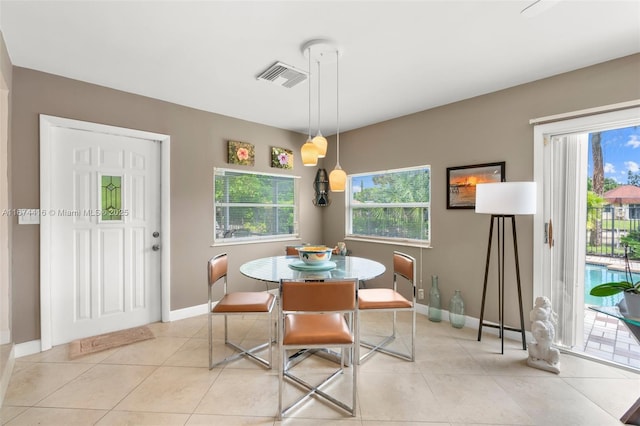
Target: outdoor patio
x: 608, y: 338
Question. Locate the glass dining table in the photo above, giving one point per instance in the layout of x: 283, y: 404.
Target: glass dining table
x: 273, y: 269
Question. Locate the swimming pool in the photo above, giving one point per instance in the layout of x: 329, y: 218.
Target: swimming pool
x: 598, y: 274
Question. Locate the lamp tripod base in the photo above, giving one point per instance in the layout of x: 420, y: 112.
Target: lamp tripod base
x: 501, y: 242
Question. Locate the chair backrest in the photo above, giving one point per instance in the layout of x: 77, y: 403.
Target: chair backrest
x: 319, y: 296
x: 404, y: 265
x: 217, y: 268
x: 291, y: 250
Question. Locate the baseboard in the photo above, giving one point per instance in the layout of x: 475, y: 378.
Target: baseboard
x: 472, y: 322
x: 192, y: 311
x: 8, y: 361
x: 5, y: 337
x: 28, y: 348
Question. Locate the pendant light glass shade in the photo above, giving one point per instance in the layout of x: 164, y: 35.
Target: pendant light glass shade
x: 337, y: 179
x: 321, y: 143
x: 309, y: 153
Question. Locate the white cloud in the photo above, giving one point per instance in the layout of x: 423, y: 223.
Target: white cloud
x: 609, y: 168
x: 633, y: 141
x: 632, y: 166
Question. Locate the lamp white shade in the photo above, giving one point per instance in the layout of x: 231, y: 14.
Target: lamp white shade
x: 506, y: 198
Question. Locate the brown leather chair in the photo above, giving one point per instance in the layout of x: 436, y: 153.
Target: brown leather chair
x: 291, y: 250
x: 313, y: 316
x: 237, y: 303
x: 390, y: 300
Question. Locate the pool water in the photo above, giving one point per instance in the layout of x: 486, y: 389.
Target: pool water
x: 598, y: 274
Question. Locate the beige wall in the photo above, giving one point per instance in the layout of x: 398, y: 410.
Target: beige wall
x: 488, y: 128
x: 198, y: 143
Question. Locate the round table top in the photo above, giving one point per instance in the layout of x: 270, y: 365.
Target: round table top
x: 275, y: 268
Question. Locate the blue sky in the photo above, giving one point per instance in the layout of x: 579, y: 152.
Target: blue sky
x: 620, y: 151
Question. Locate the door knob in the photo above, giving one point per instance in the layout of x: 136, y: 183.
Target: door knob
x: 155, y: 247
x: 156, y: 234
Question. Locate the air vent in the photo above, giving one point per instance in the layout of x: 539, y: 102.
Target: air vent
x: 283, y: 75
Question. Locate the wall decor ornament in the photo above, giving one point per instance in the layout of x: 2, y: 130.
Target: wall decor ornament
x: 462, y: 181
x: 241, y: 153
x: 281, y: 158
x: 321, y: 187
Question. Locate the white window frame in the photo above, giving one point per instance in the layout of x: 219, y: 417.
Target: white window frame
x: 217, y: 241
x: 349, y: 235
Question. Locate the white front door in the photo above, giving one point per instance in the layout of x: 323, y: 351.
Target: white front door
x: 103, y: 221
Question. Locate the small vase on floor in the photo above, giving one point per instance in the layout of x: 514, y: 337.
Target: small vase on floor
x: 435, y: 313
x: 456, y: 310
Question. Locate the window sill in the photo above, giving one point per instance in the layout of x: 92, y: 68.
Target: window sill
x: 244, y: 241
x: 397, y: 242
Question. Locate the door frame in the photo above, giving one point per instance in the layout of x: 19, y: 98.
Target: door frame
x: 586, y: 121
x: 47, y: 123
x: 6, y: 334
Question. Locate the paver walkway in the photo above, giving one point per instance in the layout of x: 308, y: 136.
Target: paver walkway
x: 609, y: 338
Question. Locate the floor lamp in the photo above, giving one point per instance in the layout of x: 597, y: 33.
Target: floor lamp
x: 504, y: 200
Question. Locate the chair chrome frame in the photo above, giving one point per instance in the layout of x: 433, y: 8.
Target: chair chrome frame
x: 311, y: 305
x: 237, y: 303
x: 390, y: 300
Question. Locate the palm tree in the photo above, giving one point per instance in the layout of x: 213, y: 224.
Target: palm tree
x: 598, y: 185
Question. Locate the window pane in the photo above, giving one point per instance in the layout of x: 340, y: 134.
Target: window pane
x: 398, y: 222
x: 406, y: 186
x: 253, y: 206
x: 111, y: 202
x: 392, y: 204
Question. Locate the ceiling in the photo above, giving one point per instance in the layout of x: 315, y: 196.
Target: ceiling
x: 397, y: 57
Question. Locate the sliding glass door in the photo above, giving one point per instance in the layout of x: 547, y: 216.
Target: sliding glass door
x: 561, y: 154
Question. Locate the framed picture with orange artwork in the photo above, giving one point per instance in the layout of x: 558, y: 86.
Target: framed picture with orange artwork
x: 461, y: 182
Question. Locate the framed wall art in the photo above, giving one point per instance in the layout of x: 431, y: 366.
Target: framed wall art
x: 461, y: 182
x: 281, y: 158
x: 241, y: 153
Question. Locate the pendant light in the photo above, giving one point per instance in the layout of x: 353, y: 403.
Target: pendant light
x: 309, y: 151
x: 337, y: 177
x: 319, y: 140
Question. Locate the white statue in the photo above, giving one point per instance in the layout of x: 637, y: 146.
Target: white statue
x: 543, y: 323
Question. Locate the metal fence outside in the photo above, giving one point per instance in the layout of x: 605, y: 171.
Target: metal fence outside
x: 608, y: 225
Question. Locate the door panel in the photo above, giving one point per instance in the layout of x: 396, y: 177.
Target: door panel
x: 105, y: 206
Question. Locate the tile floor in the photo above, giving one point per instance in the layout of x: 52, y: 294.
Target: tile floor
x: 455, y: 380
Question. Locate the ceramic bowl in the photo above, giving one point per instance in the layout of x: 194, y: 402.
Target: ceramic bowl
x: 313, y: 255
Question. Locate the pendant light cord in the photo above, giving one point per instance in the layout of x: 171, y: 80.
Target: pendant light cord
x: 337, y: 108
x: 319, y: 98
x: 309, y: 49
